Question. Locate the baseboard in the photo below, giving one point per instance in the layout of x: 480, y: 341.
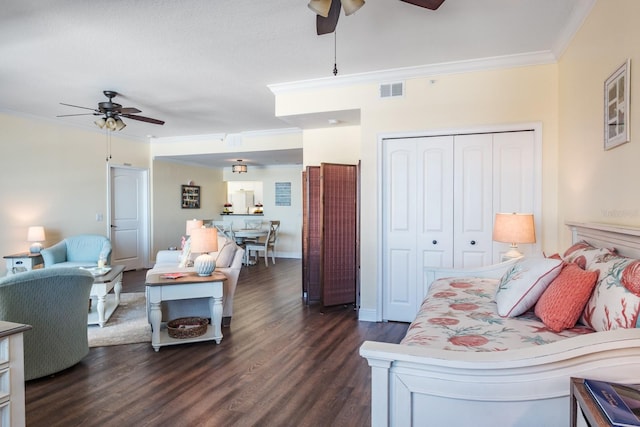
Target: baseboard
x: 367, y: 315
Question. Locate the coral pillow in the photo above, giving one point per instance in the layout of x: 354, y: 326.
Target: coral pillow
x: 523, y: 283
x: 583, y: 254
x: 562, y: 303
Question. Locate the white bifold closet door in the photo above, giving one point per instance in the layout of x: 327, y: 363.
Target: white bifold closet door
x: 440, y: 195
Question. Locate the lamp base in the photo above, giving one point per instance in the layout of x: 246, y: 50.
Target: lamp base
x: 204, y: 265
x: 35, y: 248
x: 512, y: 254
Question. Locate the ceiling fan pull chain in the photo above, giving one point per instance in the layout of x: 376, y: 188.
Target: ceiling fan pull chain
x: 335, y: 53
x: 108, y: 156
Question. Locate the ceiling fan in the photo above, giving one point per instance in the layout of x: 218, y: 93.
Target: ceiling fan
x: 328, y: 11
x: 112, y: 112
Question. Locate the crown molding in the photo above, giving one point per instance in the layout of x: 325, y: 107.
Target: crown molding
x: 224, y: 136
x: 456, y: 67
x: 571, y: 27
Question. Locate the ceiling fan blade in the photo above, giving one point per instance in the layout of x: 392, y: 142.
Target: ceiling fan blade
x: 328, y: 25
x: 77, y: 106
x: 143, y: 119
x: 82, y: 114
x: 427, y: 4
x: 130, y: 110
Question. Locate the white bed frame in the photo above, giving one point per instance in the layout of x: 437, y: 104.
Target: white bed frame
x: 418, y: 386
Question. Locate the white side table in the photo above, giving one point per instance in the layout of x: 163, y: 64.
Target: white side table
x: 24, y: 261
x: 191, y: 286
x: 100, y: 289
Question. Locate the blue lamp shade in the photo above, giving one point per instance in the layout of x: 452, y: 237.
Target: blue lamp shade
x: 203, y: 241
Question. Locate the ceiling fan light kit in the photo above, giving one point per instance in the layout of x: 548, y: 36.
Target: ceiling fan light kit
x: 320, y: 7
x: 112, y: 112
x: 351, y: 6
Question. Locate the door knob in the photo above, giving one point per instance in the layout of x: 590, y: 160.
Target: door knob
x: 435, y: 242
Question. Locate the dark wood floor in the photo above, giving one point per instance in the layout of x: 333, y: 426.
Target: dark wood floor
x: 281, y: 363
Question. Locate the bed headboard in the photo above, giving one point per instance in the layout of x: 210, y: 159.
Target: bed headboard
x: 626, y: 240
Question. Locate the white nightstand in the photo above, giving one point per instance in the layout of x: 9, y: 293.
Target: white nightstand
x: 19, y: 263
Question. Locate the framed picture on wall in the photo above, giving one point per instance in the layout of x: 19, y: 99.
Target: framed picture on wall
x: 616, y: 107
x: 190, y: 197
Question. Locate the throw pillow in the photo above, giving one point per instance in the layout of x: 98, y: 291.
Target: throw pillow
x: 225, y: 255
x: 561, y: 304
x: 186, y: 254
x: 613, y: 305
x: 584, y: 254
x: 523, y: 283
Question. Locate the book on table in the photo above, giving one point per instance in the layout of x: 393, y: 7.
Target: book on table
x: 173, y: 275
x: 619, y: 402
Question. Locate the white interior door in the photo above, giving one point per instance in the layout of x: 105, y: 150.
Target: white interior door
x: 129, y: 217
x: 473, y: 212
x: 418, y: 218
x: 399, y: 225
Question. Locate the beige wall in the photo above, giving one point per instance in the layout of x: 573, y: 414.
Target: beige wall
x: 56, y: 177
x: 168, y: 217
x: 597, y: 185
x: 437, y: 103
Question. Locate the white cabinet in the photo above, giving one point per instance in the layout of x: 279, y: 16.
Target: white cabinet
x: 12, y: 394
x: 440, y: 196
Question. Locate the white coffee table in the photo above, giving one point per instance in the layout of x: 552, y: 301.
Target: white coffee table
x: 105, y: 306
x: 191, y: 286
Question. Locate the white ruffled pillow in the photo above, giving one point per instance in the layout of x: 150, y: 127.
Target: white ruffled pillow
x: 524, y: 283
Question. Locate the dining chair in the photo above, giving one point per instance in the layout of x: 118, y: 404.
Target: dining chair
x: 257, y: 247
x: 251, y: 224
x: 264, y: 244
x: 271, y: 245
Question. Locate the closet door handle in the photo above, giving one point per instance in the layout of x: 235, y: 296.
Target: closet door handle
x: 473, y: 242
x: 435, y: 242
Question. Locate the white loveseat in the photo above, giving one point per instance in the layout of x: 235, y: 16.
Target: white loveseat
x: 228, y: 262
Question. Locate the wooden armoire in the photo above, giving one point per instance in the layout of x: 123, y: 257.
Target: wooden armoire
x: 330, y: 234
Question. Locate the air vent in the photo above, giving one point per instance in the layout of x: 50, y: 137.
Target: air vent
x: 391, y: 90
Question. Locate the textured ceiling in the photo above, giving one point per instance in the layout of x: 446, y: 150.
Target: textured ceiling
x: 204, y: 66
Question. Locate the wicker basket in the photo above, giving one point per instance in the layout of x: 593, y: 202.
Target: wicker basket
x: 187, y: 327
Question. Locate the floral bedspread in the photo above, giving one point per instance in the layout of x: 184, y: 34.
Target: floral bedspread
x: 460, y: 314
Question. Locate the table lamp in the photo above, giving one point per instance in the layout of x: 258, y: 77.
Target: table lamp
x: 193, y: 223
x: 35, y: 234
x: 514, y: 228
x: 203, y: 241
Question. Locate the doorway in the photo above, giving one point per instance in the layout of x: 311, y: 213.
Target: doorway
x: 128, y: 220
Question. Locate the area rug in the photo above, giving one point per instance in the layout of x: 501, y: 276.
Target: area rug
x: 127, y: 325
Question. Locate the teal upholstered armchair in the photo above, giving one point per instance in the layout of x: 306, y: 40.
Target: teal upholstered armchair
x: 78, y: 251
x: 54, y: 302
